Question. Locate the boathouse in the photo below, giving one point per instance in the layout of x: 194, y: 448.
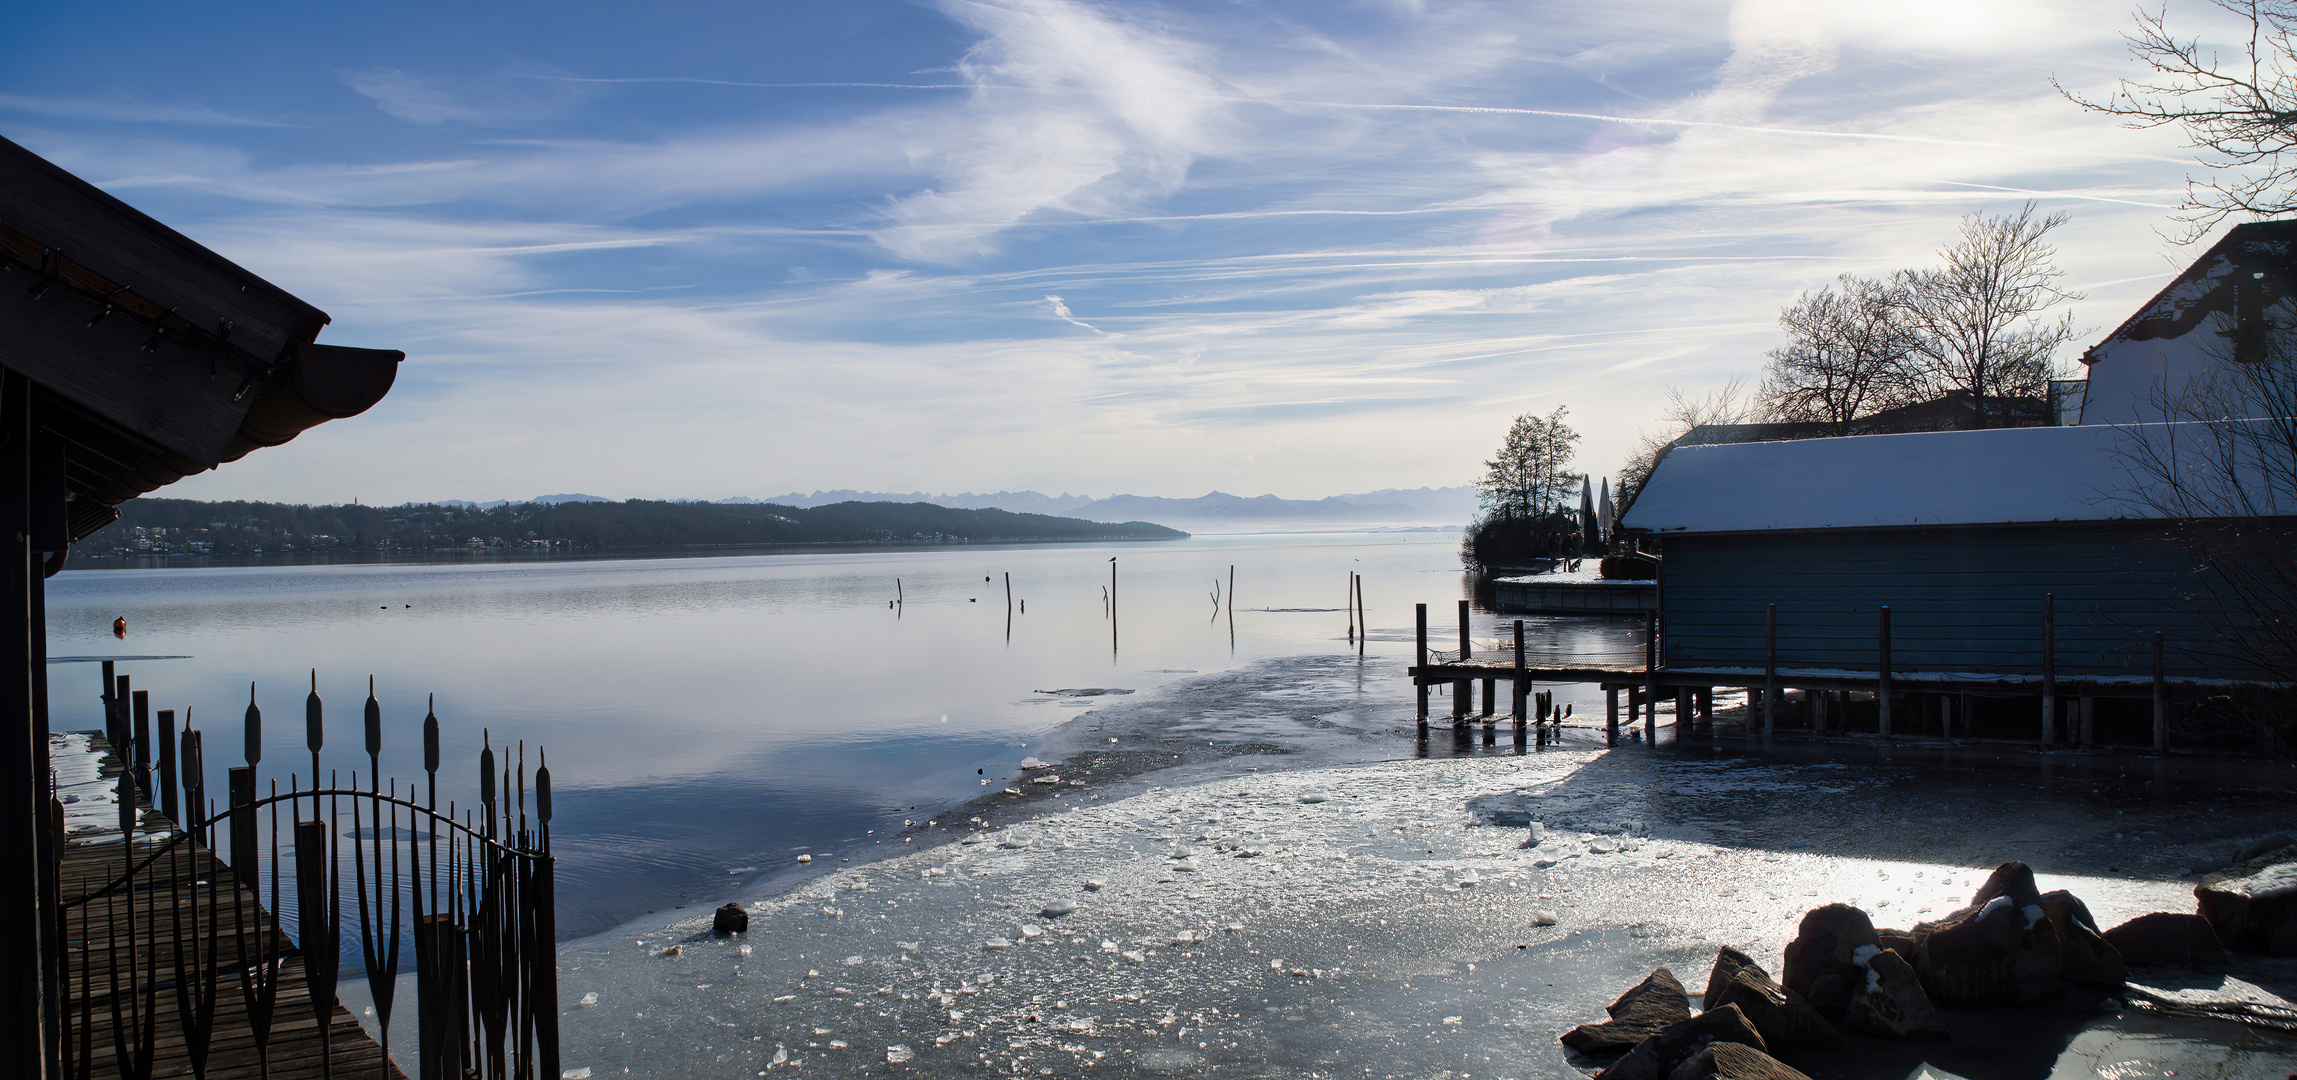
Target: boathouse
x: 2143, y: 550
x: 130, y: 357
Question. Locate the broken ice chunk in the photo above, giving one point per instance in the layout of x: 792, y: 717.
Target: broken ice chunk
x: 1057, y: 908
x: 898, y: 1055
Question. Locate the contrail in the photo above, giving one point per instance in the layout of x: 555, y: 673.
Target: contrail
x: 1655, y: 121
x: 769, y: 85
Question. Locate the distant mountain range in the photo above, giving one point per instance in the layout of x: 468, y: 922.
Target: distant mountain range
x: 1213, y: 512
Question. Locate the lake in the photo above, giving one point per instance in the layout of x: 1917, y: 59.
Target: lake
x: 713, y: 714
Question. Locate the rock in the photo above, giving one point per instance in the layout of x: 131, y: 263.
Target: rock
x: 1995, y: 953
x: 730, y: 919
x: 1785, y: 1019
x: 1646, y: 1009
x: 2165, y: 938
x: 2267, y: 846
x: 2253, y: 905
x: 1732, y: 1061
x: 1728, y: 961
x: 2085, y: 957
x: 2011, y: 879
x: 1655, y: 1057
x: 1819, y: 963
x: 1889, y: 1000
x: 1902, y: 942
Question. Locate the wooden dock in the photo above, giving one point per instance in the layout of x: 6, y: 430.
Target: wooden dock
x: 189, y: 890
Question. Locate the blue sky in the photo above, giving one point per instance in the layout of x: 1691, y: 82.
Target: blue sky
x: 712, y: 249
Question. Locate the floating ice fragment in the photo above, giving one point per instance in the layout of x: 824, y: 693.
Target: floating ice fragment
x: 1543, y: 917
x: 851, y: 961
x: 1136, y: 956
x: 1046, y: 779
x: 743, y: 951
x: 898, y: 1055
x: 837, y: 1044
x: 582, y: 1073
x: 1031, y: 762
x: 805, y: 858
x: 1057, y: 908
x: 1470, y: 878
x: 1453, y: 1021
x: 1233, y: 927
x: 1315, y: 796
x: 781, y: 1057
x: 590, y: 1000
x: 906, y: 946
x: 997, y: 943
x: 1603, y: 845
x: 1030, y: 933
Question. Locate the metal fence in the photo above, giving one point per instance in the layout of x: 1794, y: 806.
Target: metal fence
x: 171, y: 957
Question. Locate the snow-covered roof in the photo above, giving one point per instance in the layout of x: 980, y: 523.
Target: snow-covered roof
x: 1990, y: 477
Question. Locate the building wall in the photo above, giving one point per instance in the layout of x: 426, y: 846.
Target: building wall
x: 1961, y: 599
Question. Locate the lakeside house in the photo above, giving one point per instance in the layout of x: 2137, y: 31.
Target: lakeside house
x: 2013, y: 557
x: 130, y: 357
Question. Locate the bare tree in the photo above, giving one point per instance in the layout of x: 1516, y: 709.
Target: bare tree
x: 1979, y: 320
x: 1531, y: 477
x: 1849, y: 353
x: 2239, y: 115
x: 1731, y: 404
x: 2226, y: 477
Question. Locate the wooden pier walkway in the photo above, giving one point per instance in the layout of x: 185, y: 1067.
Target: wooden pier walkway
x: 96, y: 990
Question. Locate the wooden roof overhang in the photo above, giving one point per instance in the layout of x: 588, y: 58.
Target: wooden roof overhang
x: 151, y: 358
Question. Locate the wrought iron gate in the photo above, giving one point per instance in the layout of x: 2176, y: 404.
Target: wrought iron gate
x: 173, y: 950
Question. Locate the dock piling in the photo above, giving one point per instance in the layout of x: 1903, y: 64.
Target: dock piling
x: 1462, y: 688
x: 1650, y: 678
x: 1522, y: 684
x: 1882, y: 669
x: 2160, y: 701
x: 1610, y: 716
x: 2049, y: 669
x: 1770, y: 668
x: 1420, y: 680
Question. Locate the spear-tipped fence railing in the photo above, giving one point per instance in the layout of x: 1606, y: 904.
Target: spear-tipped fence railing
x: 156, y: 943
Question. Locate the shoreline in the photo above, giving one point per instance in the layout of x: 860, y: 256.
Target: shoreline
x: 1273, y: 900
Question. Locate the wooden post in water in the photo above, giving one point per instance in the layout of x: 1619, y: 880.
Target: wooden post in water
x: 1522, y: 681
x: 1360, y: 621
x: 117, y: 729
x: 167, y: 796
x: 1683, y: 713
x: 2049, y: 669
x: 2087, y: 723
x: 1350, y: 605
x: 2160, y: 701
x: 1770, y: 668
x: 1882, y: 684
x: 111, y: 672
x: 1650, y: 678
x: 1420, y: 679
x: 142, y: 736
x: 1008, y: 592
x: 1460, y: 687
x: 1610, y: 716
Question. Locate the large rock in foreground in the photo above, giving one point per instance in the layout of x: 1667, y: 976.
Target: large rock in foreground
x: 2253, y: 906
x: 1998, y: 953
x: 1646, y: 1009
x: 1786, y: 1021
x: 1656, y: 1057
x: 2166, y: 938
x: 2085, y: 956
x: 1890, y: 1001
x: 1820, y: 961
x: 1731, y: 1061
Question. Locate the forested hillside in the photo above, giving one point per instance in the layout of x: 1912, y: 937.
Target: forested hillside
x: 183, y: 526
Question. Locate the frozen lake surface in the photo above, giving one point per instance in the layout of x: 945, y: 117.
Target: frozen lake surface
x: 709, y: 715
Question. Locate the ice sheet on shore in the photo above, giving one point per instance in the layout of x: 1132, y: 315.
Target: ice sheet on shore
x: 1312, y: 933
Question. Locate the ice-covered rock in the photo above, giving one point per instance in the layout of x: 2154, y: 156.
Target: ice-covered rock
x: 1785, y: 1019
x: 1819, y: 961
x: 2166, y: 938
x: 2253, y: 905
x: 1890, y: 1001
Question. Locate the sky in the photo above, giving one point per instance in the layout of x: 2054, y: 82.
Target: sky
x: 702, y: 250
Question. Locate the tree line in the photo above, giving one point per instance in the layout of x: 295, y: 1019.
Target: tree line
x: 150, y: 526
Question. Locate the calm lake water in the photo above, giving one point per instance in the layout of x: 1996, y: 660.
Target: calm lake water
x: 712, y: 714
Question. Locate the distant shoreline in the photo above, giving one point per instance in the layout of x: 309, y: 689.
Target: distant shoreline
x: 449, y: 556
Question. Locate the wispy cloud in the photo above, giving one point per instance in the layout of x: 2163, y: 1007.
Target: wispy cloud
x: 126, y: 110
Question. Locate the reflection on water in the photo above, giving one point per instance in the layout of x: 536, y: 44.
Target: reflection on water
x: 709, y: 714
